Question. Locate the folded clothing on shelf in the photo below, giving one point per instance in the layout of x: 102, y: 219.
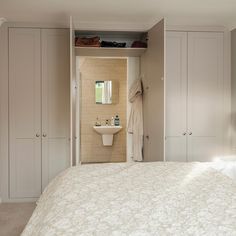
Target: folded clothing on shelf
x: 107, y: 44
x: 139, y: 44
x: 87, y: 42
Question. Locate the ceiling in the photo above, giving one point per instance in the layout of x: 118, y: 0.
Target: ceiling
x: 121, y: 13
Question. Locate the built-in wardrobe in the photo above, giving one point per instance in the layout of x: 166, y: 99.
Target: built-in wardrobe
x: 38, y: 101
x: 186, y: 99
x: 197, y: 103
x: 186, y: 91
x: 152, y: 60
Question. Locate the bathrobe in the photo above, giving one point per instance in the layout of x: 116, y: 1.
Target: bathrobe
x: 135, y: 124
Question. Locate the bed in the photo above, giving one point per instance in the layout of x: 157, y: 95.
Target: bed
x: 137, y: 199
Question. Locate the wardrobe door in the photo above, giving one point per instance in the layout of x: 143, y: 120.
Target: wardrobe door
x: 176, y: 96
x: 152, y: 69
x: 74, y: 129
x: 24, y: 113
x: 55, y: 102
x: 205, y: 95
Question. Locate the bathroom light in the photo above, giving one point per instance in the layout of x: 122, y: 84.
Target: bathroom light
x: 2, y: 20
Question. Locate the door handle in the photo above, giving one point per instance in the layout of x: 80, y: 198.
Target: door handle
x: 37, y: 135
x: 44, y: 135
x: 190, y: 133
x: 147, y: 137
x: 184, y: 133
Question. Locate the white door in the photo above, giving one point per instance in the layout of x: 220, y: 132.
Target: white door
x: 55, y: 102
x: 24, y: 112
x: 176, y: 96
x: 205, y: 98
x: 152, y: 63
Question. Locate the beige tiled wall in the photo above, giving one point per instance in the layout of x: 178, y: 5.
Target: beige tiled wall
x: 92, y: 69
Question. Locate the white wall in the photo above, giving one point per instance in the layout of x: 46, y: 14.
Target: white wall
x: 133, y: 73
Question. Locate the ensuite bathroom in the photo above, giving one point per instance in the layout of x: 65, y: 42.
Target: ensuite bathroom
x: 103, y: 108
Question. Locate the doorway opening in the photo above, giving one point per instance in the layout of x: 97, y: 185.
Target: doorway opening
x: 102, y: 97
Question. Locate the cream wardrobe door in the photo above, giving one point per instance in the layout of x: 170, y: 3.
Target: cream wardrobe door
x: 152, y: 69
x: 74, y: 124
x: 176, y: 96
x: 55, y: 102
x: 24, y: 113
x: 205, y: 95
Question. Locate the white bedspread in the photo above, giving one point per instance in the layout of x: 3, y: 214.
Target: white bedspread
x: 137, y: 199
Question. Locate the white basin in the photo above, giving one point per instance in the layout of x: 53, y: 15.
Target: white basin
x: 107, y: 133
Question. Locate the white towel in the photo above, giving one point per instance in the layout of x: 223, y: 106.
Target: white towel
x: 135, y: 125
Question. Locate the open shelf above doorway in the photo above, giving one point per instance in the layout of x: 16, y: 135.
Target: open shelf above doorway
x: 112, y: 36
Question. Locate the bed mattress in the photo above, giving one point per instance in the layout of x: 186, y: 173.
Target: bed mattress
x: 137, y: 199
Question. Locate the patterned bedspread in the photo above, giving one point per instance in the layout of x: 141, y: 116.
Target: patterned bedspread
x: 137, y: 199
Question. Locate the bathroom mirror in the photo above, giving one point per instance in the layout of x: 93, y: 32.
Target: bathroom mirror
x: 106, y: 92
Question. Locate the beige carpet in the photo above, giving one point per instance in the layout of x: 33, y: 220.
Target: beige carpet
x: 14, y: 217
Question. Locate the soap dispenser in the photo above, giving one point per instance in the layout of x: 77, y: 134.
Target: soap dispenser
x: 117, y: 120
x: 112, y: 121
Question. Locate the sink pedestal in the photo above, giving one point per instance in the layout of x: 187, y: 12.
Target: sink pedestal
x: 107, y: 139
x: 107, y: 133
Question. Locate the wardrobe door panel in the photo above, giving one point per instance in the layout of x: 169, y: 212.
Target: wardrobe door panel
x: 74, y: 129
x: 205, y: 95
x: 55, y: 102
x: 153, y: 104
x: 203, y: 148
x: 176, y: 149
x: 176, y: 96
x: 24, y: 113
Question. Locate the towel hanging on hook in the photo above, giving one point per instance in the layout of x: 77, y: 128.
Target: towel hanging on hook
x: 135, y: 125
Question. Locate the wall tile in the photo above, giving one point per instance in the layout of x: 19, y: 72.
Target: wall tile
x: 93, y: 69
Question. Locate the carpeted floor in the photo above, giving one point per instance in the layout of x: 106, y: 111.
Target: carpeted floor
x: 14, y: 217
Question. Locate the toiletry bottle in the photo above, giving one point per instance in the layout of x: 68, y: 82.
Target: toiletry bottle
x: 98, y: 123
x: 112, y: 121
x: 117, y: 120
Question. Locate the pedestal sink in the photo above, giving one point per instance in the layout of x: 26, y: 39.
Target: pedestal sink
x: 107, y: 133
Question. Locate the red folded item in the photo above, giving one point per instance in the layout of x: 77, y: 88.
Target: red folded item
x: 139, y: 44
x: 87, y: 42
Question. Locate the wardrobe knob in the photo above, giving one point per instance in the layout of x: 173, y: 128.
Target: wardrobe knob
x: 190, y: 133
x: 44, y: 135
x: 184, y: 133
x: 37, y: 135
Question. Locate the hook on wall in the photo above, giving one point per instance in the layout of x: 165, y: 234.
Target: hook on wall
x: 2, y: 20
